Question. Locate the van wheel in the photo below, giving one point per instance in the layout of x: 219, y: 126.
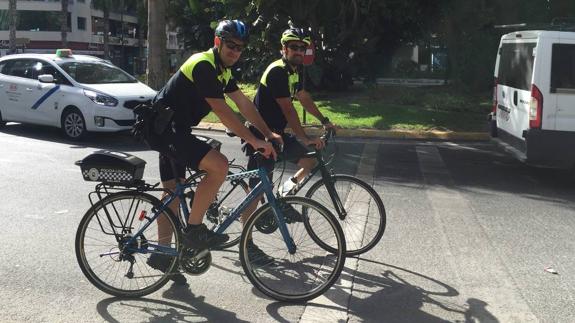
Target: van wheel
x: 73, y: 124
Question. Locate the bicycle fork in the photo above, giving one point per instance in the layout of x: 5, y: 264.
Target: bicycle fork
x: 330, y: 187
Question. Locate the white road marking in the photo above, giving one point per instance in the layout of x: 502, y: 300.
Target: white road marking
x: 333, y: 305
x: 468, y: 249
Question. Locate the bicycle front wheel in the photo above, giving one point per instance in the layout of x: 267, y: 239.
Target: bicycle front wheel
x: 365, y: 219
x: 114, y: 264
x: 306, y: 272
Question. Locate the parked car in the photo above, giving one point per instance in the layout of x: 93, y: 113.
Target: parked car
x: 77, y: 93
x: 534, y: 97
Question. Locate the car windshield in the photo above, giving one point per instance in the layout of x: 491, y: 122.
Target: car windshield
x: 96, y: 73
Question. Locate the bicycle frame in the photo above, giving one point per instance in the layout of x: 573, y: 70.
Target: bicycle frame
x: 264, y: 186
x: 329, y: 185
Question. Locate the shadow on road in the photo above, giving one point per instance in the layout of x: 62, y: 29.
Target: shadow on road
x: 122, y: 141
x: 478, y: 169
x: 185, y: 307
x: 396, y: 295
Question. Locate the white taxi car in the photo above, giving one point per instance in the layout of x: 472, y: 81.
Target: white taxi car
x: 76, y: 93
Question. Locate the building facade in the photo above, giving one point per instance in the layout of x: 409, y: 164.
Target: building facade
x: 38, y: 31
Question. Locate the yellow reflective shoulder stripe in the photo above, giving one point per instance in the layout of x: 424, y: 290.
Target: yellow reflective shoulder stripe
x: 264, y: 79
x: 188, y: 67
x: 293, y: 79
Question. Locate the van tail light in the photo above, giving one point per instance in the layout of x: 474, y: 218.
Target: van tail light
x: 535, y: 108
x: 495, y: 82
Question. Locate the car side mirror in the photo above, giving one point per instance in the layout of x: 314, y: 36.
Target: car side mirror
x: 46, y: 78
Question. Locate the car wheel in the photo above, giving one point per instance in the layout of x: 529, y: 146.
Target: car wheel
x: 73, y: 124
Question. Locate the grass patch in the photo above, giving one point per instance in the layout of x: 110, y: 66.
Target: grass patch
x: 396, y: 108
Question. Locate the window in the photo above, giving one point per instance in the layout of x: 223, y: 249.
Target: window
x: 31, y: 20
x: 516, y: 65
x: 563, y: 67
x: 96, y: 73
x: 59, y: 78
x: 28, y: 68
x: 81, y: 23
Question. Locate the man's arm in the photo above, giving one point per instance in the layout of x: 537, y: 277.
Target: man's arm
x: 249, y: 111
x: 307, y: 102
x: 229, y: 119
x: 293, y: 121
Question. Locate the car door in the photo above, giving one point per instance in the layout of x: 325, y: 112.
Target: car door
x: 36, y: 99
x: 47, y: 97
x: 11, y: 89
x: 563, y: 86
x: 3, y: 97
x: 514, y: 86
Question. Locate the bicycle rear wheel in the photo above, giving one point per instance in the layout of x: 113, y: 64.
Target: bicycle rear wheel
x: 111, y: 263
x: 365, y: 221
x: 304, y: 274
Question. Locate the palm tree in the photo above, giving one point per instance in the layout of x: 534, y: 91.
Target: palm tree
x: 105, y: 6
x: 141, y: 8
x: 157, y: 58
x: 64, y: 23
x: 13, y: 22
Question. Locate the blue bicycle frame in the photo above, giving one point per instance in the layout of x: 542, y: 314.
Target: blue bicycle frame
x: 264, y: 186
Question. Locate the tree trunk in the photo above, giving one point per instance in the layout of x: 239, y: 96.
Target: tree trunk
x: 157, y: 59
x: 106, y: 32
x: 13, y: 23
x: 64, y: 23
x: 141, y: 54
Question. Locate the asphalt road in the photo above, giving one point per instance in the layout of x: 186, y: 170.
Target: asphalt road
x: 469, y: 234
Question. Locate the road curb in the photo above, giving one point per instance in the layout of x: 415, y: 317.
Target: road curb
x: 372, y: 133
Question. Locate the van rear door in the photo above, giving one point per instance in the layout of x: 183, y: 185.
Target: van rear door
x: 563, y: 85
x: 514, y: 76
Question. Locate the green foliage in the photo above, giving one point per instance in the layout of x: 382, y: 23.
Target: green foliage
x: 396, y: 108
x: 358, y: 38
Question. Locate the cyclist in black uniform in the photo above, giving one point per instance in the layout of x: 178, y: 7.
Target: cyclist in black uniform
x: 280, y: 83
x: 197, y: 88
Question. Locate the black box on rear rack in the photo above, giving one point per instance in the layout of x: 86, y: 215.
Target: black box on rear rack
x: 112, y: 167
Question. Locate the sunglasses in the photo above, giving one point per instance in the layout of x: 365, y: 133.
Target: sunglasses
x: 234, y: 46
x: 300, y: 48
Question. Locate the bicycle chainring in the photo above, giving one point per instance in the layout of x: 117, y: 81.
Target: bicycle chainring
x: 195, y: 262
x: 266, y: 223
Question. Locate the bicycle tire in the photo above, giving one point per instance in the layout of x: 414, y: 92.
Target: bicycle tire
x: 95, y: 241
x: 229, y: 195
x: 357, y: 226
x: 282, y: 277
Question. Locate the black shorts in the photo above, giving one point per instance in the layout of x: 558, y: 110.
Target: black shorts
x: 188, y: 151
x: 293, y: 151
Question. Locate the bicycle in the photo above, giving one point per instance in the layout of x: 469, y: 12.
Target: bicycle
x: 120, y: 230
x: 353, y: 201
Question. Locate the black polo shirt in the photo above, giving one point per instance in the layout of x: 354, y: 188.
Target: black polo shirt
x: 186, y: 91
x: 274, y: 84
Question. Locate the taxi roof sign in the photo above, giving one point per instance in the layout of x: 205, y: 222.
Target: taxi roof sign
x: 64, y: 52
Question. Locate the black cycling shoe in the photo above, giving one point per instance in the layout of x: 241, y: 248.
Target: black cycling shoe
x: 162, y: 262
x: 257, y: 256
x: 201, y: 237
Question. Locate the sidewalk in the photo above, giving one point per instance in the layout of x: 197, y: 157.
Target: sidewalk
x: 372, y: 133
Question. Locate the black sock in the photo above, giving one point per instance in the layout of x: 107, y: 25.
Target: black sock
x: 294, y: 180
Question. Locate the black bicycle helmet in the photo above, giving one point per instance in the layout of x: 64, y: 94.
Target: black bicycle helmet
x: 297, y: 34
x: 232, y: 29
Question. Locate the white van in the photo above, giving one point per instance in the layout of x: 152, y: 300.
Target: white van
x: 534, y: 97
